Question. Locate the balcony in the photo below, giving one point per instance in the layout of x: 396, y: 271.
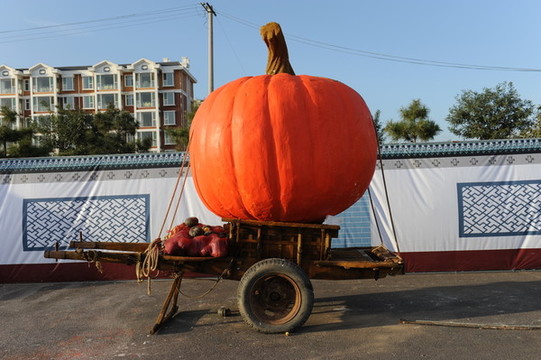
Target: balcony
x: 106, y: 82
x: 145, y: 80
x: 104, y: 100
x: 146, y: 100
x: 42, y: 85
x: 7, y: 86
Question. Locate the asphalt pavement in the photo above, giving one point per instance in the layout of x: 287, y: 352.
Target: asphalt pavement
x: 479, y: 315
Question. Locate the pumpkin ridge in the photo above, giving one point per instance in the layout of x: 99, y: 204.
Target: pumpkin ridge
x: 234, y: 141
x: 296, y: 173
x: 231, y: 140
x: 213, y: 109
x: 254, y: 149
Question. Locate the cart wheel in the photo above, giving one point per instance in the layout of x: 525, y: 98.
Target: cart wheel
x: 275, y: 295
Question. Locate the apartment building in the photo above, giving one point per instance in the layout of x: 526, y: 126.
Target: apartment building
x: 158, y: 94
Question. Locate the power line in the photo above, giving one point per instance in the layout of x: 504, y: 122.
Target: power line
x: 382, y: 56
x: 142, y: 14
x: 54, y: 33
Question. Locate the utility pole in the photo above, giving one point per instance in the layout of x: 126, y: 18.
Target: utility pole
x: 210, y: 11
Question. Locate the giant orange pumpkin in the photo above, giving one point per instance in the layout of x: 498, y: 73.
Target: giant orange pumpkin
x: 282, y: 147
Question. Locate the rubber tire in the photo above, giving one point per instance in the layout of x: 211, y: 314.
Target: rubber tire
x: 288, y: 275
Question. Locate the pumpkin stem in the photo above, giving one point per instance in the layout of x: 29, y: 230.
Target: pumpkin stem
x: 278, y: 58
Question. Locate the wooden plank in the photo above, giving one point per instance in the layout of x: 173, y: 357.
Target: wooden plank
x: 106, y: 245
x: 282, y: 224
x: 352, y: 264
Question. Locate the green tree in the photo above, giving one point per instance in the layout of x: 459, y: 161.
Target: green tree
x: 497, y: 113
x: 66, y: 131
x: 378, y: 127
x: 414, y: 125
x: 25, y: 146
x: 113, y: 131
x: 181, y: 134
x: 75, y: 132
x: 7, y: 133
x: 535, y: 130
x: 20, y: 140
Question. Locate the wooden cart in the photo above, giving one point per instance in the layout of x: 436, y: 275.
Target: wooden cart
x: 274, y: 262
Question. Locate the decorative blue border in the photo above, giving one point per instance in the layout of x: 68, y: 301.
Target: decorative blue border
x: 460, y: 148
x: 511, y: 214
x: 175, y: 159
x: 92, y: 162
x: 25, y: 225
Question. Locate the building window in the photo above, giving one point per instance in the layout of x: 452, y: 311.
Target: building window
x: 27, y: 104
x: 168, y: 79
x: 7, y: 86
x: 146, y: 99
x: 128, y: 80
x: 129, y: 100
x: 106, y: 82
x: 43, y: 103
x: 104, y: 100
x: 8, y: 102
x: 168, y: 139
x: 144, y: 80
x: 68, y: 102
x: 88, y: 83
x: 168, y: 98
x: 26, y: 85
x: 169, y: 118
x: 141, y: 136
x: 146, y: 119
x: 41, y: 121
x: 88, y: 102
x: 43, y: 84
x: 67, y: 83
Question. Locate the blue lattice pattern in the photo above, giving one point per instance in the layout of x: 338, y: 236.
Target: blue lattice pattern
x: 102, y: 218
x: 355, y: 230
x: 499, y: 208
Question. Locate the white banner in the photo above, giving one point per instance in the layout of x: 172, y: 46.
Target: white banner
x: 457, y: 204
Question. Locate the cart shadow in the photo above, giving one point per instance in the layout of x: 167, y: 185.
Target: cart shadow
x: 503, y: 301
x: 183, y: 321
x: 22, y: 291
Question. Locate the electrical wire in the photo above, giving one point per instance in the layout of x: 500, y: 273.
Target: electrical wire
x: 222, y: 28
x: 175, y: 13
x: 60, y: 30
x: 142, y: 14
x: 61, y: 33
x: 382, y: 56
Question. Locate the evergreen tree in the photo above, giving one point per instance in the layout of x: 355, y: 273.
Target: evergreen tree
x: 414, y: 125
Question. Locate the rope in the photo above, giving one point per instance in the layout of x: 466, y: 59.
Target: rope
x: 152, y: 253
x: 389, y: 205
x: 180, y: 195
x: 144, y: 268
x: 93, y: 257
x: 386, y: 191
x: 375, y: 215
x: 172, y: 198
x: 212, y: 287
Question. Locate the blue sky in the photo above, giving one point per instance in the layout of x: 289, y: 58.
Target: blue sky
x: 332, y: 39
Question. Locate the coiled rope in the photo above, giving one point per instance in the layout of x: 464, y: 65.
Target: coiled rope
x: 151, y: 255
